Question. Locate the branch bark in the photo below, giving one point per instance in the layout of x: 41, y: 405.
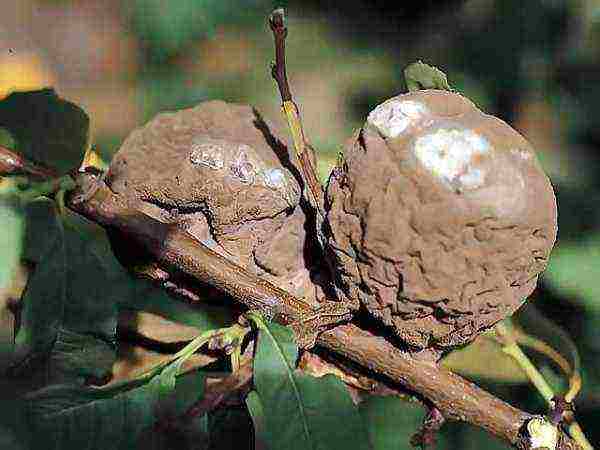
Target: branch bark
x: 174, y: 248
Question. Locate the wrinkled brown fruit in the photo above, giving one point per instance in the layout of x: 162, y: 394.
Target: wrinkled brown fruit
x: 217, y: 170
x: 441, y: 220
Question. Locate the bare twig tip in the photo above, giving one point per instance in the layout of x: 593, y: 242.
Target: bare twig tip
x: 277, y: 19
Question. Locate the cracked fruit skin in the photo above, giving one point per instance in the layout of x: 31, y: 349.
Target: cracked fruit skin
x: 440, y: 220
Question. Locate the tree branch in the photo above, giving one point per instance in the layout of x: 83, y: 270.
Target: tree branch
x: 292, y: 113
x: 174, y: 248
x: 278, y: 71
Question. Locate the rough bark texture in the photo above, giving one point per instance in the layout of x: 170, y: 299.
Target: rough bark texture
x: 220, y: 171
x: 440, y: 220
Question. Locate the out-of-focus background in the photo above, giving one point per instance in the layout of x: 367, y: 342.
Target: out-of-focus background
x: 533, y: 63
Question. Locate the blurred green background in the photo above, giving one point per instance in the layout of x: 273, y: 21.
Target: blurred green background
x: 533, y: 63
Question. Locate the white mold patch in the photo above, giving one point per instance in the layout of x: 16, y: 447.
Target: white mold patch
x: 521, y: 153
x: 449, y: 154
x: 274, y: 178
x: 394, y: 116
x: 242, y: 168
x: 207, y: 152
x: 283, y: 183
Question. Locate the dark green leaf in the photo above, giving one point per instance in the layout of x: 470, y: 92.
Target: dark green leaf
x: 69, y: 416
x: 6, y: 139
x: 42, y: 229
x: 300, y: 411
x: 80, y: 356
x: 46, y: 291
x: 143, y: 296
x: 69, y: 296
x: 419, y: 75
x: 48, y: 129
x: 230, y: 428
x: 391, y: 422
x: 473, y: 438
x: 137, y: 294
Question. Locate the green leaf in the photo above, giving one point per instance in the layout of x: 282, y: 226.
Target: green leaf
x: 391, y: 422
x: 466, y: 361
x: 42, y: 229
x: 573, y: 271
x: 139, y: 294
x: 230, y: 428
x: 80, y: 356
x: 11, y: 239
x: 48, y: 129
x: 69, y: 302
x: 46, y: 291
x: 419, y: 76
x: 6, y: 139
x: 257, y: 412
x: 146, y: 297
x: 300, y: 411
x: 69, y: 416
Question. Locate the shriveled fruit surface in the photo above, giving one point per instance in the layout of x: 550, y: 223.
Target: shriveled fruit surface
x: 222, y: 172
x: 440, y: 220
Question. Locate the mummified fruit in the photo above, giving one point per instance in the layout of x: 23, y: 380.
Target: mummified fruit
x: 222, y: 172
x: 440, y: 220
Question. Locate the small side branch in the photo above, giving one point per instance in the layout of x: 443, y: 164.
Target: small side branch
x: 291, y: 111
x: 277, y: 23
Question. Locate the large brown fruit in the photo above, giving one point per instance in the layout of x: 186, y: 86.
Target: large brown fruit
x: 223, y: 173
x: 441, y: 220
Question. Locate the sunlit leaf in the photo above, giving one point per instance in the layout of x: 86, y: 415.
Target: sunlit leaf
x: 574, y: 272
x: 48, y: 129
x: 11, y: 237
x: 419, y: 75
x: 467, y: 362
x: 301, y: 411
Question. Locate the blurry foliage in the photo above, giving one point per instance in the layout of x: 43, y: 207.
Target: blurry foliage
x: 534, y: 63
x: 165, y: 28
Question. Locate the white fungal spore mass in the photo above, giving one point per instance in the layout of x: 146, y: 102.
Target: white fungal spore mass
x: 207, y: 153
x: 450, y: 155
x: 274, y: 178
x: 242, y: 168
x: 394, y: 116
x: 521, y: 153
